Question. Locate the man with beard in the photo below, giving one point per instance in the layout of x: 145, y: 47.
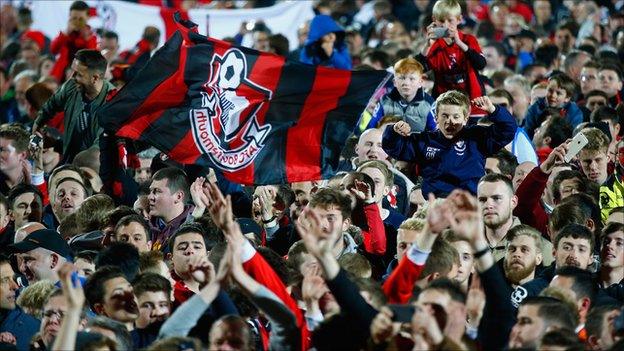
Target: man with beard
x: 110, y: 294
x: 502, y: 290
x: 497, y: 199
x: 573, y: 246
x: 79, y: 97
x: 43, y: 252
x: 153, y: 293
x: 536, y: 316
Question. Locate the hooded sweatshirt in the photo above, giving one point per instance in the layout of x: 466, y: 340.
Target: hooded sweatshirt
x: 312, y: 52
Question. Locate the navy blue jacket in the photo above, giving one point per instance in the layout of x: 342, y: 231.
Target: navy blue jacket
x: 22, y: 325
x: 532, y: 119
x: 447, y: 164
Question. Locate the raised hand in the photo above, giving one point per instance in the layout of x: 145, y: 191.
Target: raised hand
x: 437, y: 214
x: 72, y: 290
x: 219, y: 207
x: 402, y: 128
x: 425, y: 328
x: 475, y: 301
x: 467, y: 224
x: 35, y: 149
x: 315, y: 240
x: 266, y: 197
x: 362, y: 191
x: 201, y: 270
x: 556, y: 156
x: 382, y: 328
x: 313, y: 288
x: 26, y: 171
x: 7, y: 337
x: 484, y: 103
x: 197, y: 194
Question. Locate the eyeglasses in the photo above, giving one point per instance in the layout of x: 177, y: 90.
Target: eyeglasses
x: 585, y: 78
x: 49, y: 313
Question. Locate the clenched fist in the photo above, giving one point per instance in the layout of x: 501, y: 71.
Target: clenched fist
x: 402, y: 128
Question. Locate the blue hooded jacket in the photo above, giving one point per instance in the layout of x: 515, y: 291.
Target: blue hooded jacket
x: 312, y: 52
x: 532, y: 119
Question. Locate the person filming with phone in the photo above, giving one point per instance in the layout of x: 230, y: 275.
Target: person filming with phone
x: 454, y: 57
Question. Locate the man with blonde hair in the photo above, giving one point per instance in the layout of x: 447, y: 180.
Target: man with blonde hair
x: 594, y: 161
x: 453, y: 156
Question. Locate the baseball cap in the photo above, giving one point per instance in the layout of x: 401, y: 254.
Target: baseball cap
x: 44, y: 238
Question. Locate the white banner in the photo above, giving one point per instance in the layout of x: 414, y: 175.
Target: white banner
x: 129, y: 19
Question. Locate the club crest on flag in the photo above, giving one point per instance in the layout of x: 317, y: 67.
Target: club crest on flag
x: 226, y: 127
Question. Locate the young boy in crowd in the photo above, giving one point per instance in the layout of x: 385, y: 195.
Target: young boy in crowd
x: 454, y: 57
x: 611, y: 82
x: 559, y: 93
x: 594, y: 160
x: 453, y: 156
x: 407, y: 99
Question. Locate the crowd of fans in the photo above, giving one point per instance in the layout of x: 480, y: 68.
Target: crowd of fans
x: 461, y: 218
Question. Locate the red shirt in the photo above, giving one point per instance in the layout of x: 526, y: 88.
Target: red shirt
x: 453, y: 70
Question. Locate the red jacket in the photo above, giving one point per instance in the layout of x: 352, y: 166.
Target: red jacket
x: 373, y: 231
x: 65, y: 47
x: 530, y: 210
x: 400, y: 284
x: 256, y: 266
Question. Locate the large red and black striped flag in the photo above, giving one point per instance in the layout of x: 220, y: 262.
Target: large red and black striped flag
x: 258, y: 117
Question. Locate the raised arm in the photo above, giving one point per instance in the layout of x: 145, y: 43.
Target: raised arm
x: 400, y: 284
x: 74, y: 295
x: 502, y: 130
x: 399, y: 143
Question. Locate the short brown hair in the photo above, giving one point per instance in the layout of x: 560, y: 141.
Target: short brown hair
x: 295, y: 254
x: 19, y: 136
x: 38, y: 94
x: 502, y: 93
x: 92, y: 213
x: 356, y: 264
x: 151, y: 282
x: 331, y: 197
x: 148, y: 261
x: 598, y: 141
x: 564, y: 82
x: 441, y: 259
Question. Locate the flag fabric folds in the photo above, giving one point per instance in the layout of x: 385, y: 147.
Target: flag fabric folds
x: 258, y: 117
